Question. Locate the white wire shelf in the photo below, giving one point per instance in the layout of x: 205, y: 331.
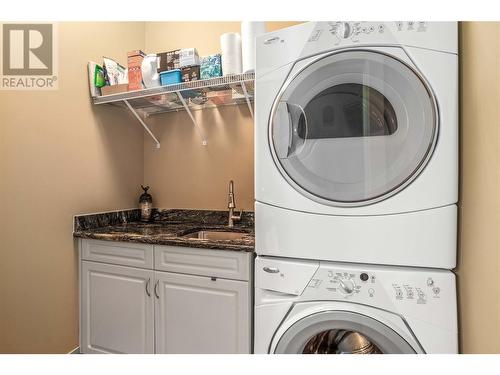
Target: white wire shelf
x: 188, y: 96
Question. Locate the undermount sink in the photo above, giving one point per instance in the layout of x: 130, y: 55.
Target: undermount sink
x: 216, y: 235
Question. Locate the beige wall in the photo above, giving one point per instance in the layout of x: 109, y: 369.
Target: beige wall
x: 479, y: 255
x: 183, y: 173
x: 59, y: 156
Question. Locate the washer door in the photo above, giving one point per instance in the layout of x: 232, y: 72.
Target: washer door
x: 341, y: 332
x: 353, y: 128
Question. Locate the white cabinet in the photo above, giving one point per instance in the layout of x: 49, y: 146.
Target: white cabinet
x: 137, y: 298
x: 199, y: 314
x: 117, y: 314
x: 232, y: 265
x: 125, y: 254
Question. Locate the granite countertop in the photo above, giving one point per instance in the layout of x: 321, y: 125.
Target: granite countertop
x: 167, y: 228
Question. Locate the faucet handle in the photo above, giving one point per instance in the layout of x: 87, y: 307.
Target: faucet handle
x: 238, y: 217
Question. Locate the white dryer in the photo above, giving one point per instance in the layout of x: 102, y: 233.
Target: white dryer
x: 356, y: 142
x: 333, y: 308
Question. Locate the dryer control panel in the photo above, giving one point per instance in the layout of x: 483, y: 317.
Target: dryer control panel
x: 276, y: 49
x: 356, y: 32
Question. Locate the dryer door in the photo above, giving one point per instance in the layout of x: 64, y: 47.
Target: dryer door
x: 341, y: 332
x: 353, y: 128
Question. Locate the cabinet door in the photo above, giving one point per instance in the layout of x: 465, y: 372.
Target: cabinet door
x: 201, y: 315
x: 117, y: 309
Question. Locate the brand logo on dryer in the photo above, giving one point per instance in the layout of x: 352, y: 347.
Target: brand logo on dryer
x: 274, y: 40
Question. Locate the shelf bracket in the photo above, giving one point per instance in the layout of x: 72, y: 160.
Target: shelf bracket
x: 142, y: 122
x: 196, y: 126
x: 247, y: 98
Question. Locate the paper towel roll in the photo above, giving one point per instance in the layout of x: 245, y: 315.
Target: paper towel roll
x: 230, y: 45
x: 249, y: 31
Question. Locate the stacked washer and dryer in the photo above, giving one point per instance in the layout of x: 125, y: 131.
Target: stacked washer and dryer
x: 356, y: 185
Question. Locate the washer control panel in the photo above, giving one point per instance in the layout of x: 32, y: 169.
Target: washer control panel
x: 344, y: 283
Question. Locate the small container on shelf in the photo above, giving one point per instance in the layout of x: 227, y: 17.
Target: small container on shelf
x: 211, y: 66
x: 190, y: 73
x: 188, y: 57
x: 169, y: 60
x: 171, y: 77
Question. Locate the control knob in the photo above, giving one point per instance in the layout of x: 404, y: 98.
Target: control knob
x: 343, y: 30
x: 346, y: 286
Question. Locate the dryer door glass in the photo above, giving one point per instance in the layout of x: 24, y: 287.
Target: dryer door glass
x: 353, y: 128
x: 341, y: 332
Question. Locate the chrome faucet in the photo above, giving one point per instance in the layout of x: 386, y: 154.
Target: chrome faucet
x: 231, y: 205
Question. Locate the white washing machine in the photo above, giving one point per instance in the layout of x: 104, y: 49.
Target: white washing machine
x: 356, y: 143
x: 333, y: 308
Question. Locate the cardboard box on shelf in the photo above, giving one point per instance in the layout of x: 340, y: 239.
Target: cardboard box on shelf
x: 169, y: 60
x: 190, y: 73
x: 134, y: 61
x: 188, y: 57
x: 135, y: 52
x: 114, y: 89
x: 211, y: 66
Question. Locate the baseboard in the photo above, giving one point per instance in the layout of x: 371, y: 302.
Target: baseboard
x: 75, y: 351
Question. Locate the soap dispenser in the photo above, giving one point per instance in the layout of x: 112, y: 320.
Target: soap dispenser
x: 146, y: 204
